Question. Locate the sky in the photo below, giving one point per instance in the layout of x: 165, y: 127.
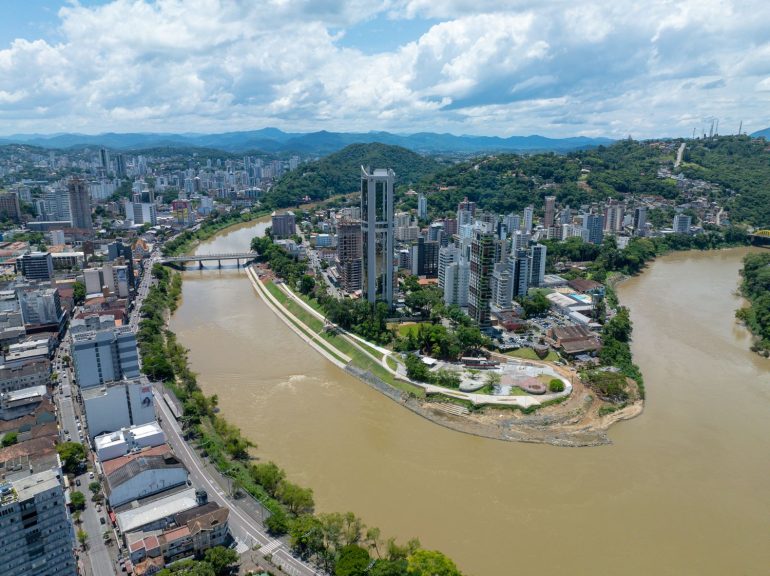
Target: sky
x: 644, y: 68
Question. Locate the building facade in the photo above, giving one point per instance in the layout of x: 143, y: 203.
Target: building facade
x: 104, y: 356
x: 481, y: 267
x: 37, y: 266
x: 283, y: 225
x: 80, y: 204
x: 117, y: 405
x: 378, y: 234
x: 349, y: 255
x: 36, y: 536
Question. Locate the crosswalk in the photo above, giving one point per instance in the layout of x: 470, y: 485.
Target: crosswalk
x: 270, y: 547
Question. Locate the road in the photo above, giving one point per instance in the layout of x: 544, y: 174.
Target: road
x: 679, y: 155
x: 100, y: 561
x: 243, y: 526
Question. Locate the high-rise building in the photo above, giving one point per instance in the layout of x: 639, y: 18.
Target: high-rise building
x: 512, y: 223
x: 40, y: 306
x: 37, y: 266
x: 422, y: 206
x: 104, y: 159
x: 682, y: 223
x: 537, y: 254
x: 613, y: 218
x: 501, y: 287
x: 36, y: 537
x: 446, y: 256
x: 528, y: 213
x: 450, y: 226
x: 565, y: 216
x: 425, y: 256
x: 594, y: 224
x: 140, y: 212
x: 10, y: 209
x: 520, y: 265
x: 104, y: 355
x: 80, y: 204
x: 550, y: 211
x: 640, y: 221
x: 377, y: 230
x: 116, y: 405
x: 466, y: 211
x: 283, y: 225
x: 349, y: 254
x: 120, y: 166
x: 119, y: 251
x: 481, y: 268
x: 457, y: 283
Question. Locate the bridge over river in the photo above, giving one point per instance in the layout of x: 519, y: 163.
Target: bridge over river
x: 219, y: 258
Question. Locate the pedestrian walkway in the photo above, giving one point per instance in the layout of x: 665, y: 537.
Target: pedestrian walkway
x: 270, y: 547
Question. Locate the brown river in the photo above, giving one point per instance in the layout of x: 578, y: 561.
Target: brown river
x: 684, y: 489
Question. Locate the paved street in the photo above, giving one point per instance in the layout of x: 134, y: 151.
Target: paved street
x: 245, y: 526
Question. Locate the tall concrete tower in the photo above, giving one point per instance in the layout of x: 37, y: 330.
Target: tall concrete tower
x: 377, y: 230
x: 550, y: 211
x: 80, y: 204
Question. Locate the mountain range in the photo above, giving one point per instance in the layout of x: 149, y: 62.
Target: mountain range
x: 320, y: 143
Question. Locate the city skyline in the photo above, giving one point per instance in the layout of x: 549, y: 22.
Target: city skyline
x: 484, y: 68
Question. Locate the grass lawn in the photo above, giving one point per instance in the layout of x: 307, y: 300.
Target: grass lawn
x: 406, y: 327
x: 529, y: 354
x: 339, y: 343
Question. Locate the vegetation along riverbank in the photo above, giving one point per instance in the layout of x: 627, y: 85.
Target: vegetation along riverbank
x: 756, y: 289
x: 336, y: 542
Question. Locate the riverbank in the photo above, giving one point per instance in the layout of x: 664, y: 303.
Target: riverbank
x: 291, y: 508
x: 577, y: 420
x: 691, y: 458
x: 210, y: 227
x: 756, y: 289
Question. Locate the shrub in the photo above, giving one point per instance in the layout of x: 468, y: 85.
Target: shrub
x: 556, y: 385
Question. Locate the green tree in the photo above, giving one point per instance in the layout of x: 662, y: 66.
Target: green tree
x: 77, y: 500
x: 306, y: 284
x: 71, y: 454
x: 268, y: 475
x: 431, y: 563
x: 297, y: 499
x: 10, y: 438
x: 306, y: 535
x: 82, y: 538
x: 389, y: 568
x: 94, y: 486
x: 79, y: 293
x: 416, y: 368
x: 221, y: 559
x: 277, y: 523
x: 353, y: 561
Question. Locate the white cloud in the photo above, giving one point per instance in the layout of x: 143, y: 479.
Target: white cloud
x: 489, y: 66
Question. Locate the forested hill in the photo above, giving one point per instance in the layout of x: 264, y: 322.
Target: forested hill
x: 340, y: 173
x: 737, y: 166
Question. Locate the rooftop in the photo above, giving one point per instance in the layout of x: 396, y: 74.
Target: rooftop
x: 112, y: 465
x: 166, y: 507
x: 141, y: 464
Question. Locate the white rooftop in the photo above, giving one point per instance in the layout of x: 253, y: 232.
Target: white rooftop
x: 29, y: 486
x: 134, y: 518
x: 24, y: 393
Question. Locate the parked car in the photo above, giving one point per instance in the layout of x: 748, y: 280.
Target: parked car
x: 91, y: 475
x: 102, y: 520
x: 77, y: 481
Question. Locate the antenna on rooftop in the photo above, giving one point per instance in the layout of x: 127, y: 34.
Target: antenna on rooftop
x: 740, y: 127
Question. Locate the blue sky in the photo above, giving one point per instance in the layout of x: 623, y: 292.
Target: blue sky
x: 493, y: 67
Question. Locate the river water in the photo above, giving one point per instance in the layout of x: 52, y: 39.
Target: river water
x: 684, y: 489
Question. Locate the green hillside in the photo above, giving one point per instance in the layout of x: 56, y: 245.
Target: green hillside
x: 739, y: 165
x: 340, y: 173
